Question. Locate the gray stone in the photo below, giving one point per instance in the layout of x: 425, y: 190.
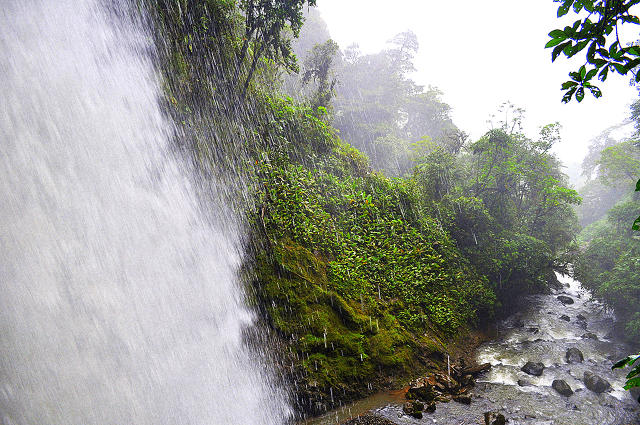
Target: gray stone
x: 561, y: 386
x: 574, y: 355
x: 590, y: 335
x: 463, y: 398
x: 565, y: 300
x: 596, y: 383
x: 565, y: 318
x: 533, y: 368
x: 494, y: 418
x: 413, y: 408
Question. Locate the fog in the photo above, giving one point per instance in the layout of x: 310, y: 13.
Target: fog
x: 495, y: 53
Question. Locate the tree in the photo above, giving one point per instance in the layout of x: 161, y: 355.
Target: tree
x: 264, y: 25
x: 598, y: 31
x: 605, y: 53
x: 318, y: 67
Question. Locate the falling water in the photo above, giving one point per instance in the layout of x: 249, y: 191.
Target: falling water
x: 119, y: 301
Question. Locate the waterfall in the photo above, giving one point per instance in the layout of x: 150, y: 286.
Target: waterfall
x: 119, y: 297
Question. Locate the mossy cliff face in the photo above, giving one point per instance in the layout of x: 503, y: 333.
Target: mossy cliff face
x: 364, y: 287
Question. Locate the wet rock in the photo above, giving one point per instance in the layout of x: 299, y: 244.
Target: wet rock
x: 463, y: 398
x: 573, y: 355
x: 413, y: 408
x: 581, y: 317
x: 422, y: 390
x: 494, y: 418
x: 533, y: 368
x: 431, y: 407
x: 524, y: 383
x: 565, y: 299
x: 565, y: 318
x: 476, y: 370
x: 589, y: 335
x: 368, y: 419
x: 533, y: 330
x: 444, y: 398
x: 467, y: 381
x: 596, y: 383
x: 561, y: 386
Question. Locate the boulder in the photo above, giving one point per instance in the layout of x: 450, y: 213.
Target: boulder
x: 561, y: 386
x: 494, y: 418
x: 467, y: 381
x: 574, y: 355
x: 421, y: 390
x: 581, y: 317
x: 533, y: 330
x: 565, y: 299
x: 565, y: 318
x: 524, y: 383
x: 476, y: 370
x: 413, y: 408
x: 596, y: 383
x: 463, y: 398
x: 431, y: 407
x: 369, y: 419
x: 533, y: 368
x: 590, y: 335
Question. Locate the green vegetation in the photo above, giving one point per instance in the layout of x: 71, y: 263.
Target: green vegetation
x: 608, y: 261
x: 363, y: 277
x: 597, y: 30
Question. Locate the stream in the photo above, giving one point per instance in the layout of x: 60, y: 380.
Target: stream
x: 537, y: 334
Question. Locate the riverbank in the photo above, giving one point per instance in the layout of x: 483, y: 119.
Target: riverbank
x: 540, y: 333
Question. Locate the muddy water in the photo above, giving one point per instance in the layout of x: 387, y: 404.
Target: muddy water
x: 535, y: 334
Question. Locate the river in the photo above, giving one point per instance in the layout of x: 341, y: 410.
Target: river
x: 537, y: 334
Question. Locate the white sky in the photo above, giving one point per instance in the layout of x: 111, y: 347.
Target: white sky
x: 483, y: 53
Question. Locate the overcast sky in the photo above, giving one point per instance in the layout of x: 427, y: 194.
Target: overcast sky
x: 482, y: 53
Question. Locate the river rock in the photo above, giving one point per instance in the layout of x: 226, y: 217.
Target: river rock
x: 561, y: 386
x: 574, y: 355
x: 462, y: 398
x: 590, y: 335
x: 565, y: 299
x: 494, y: 418
x: 369, y: 419
x: 467, y: 381
x: 565, y: 318
x: 422, y: 390
x: 596, y: 383
x: 581, y: 317
x: 524, y: 383
x: 533, y: 368
x: 413, y: 408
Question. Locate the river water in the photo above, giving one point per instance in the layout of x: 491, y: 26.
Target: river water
x: 535, y: 334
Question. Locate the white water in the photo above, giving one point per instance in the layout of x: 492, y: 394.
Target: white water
x: 119, y: 302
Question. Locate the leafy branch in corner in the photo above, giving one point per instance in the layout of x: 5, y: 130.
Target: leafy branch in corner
x: 633, y: 377
x: 598, y: 31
